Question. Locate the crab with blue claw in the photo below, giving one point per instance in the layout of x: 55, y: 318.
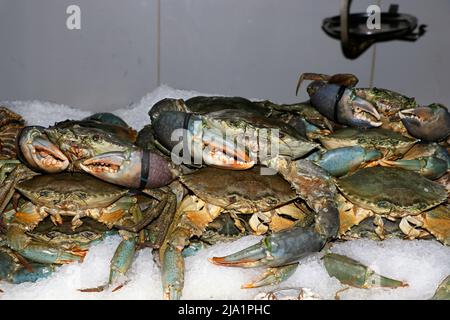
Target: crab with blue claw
x: 389, y: 148
x: 394, y: 194
x: 16, y: 269
x: 80, y: 195
x: 268, y: 199
x: 214, y: 137
x: 337, y: 98
x: 305, y: 119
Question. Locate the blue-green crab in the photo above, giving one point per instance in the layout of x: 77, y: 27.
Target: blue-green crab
x: 389, y: 148
x: 67, y: 146
x: 213, y: 138
x: 268, y: 199
x: 78, y: 196
x: 16, y: 269
x: 394, y: 194
x: 339, y: 100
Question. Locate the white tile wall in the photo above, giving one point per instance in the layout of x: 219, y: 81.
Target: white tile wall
x: 251, y: 48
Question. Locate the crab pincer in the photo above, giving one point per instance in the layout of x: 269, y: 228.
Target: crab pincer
x: 284, y: 248
x: 333, y: 97
x: 135, y: 168
x: 280, y: 251
x: 38, y: 152
x: 428, y: 123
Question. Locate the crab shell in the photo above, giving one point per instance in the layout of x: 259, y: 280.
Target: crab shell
x: 74, y: 190
x: 269, y: 198
x: 244, y: 191
x: 388, y: 142
x: 391, y: 191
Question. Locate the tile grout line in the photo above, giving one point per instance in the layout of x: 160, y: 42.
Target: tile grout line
x: 158, y: 43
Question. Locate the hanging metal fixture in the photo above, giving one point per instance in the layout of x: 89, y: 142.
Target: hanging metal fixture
x: 356, y: 37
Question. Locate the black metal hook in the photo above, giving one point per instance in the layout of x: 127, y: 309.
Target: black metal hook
x: 356, y: 37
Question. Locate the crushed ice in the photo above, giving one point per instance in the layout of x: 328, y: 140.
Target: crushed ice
x: 422, y: 264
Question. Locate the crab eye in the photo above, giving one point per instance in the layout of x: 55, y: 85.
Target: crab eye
x: 96, y: 137
x: 44, y: 193
x: 82, y: 195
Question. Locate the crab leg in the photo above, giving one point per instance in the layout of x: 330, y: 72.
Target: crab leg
x: 19, y: 173
x: 355, y: 274
x: 316, y: 187
x: 430, y: 167
x: 13, y: 271
x: 39, y: 251
x: 121, y: 262
x: 272, y: 276
x: 191, y: 218
x: 428, y: 123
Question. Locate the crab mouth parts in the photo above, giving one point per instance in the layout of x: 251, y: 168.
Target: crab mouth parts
x: 100, y: 166
x: 77, y: 152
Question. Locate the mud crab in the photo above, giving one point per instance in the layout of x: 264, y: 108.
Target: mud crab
x: 213, y: 138
x: 337, y: 98
x: 14, y: 268
x: 67, y: 146
x: 394, y: 193
x: 80, y: 195
x: 269, y: 200
x: 305, y: 119
x: 394, y: 149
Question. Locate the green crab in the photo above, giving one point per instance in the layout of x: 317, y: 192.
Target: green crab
x: 394, y: 193
x: 268, y: 199
x: 232, y: 139
x: 78, y: 196
x: 15, y: 269
x: 389, y: 148
x: 337, y: 98
x: 305, y: 119
x: 67, y: 146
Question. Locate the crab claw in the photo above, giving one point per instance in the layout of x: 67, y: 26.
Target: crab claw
x: 278, y: 249
x: 338, y: 103
x: 428, y: 123
x: 357, y: 112
x: 167, y: 104
x: 180, y: 131
x: 36, y: 150
x: 429, y: 167
x: 126, y: 168
x: 341, y: 161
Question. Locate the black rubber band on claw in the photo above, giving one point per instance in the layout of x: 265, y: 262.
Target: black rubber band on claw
x: 145, y: 168
x: 187, y: 117
x: 339, y: 95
